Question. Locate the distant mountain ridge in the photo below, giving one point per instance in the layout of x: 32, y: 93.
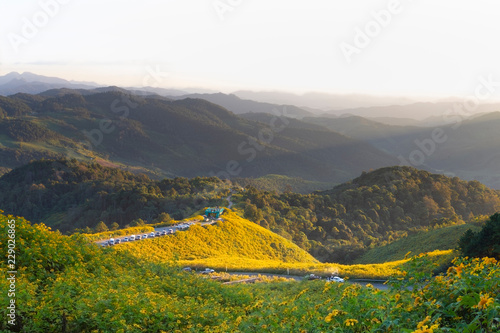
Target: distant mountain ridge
x: 185, y: 137
x: 239, y: 106
x: 13, y: 83
x: 467, y: 147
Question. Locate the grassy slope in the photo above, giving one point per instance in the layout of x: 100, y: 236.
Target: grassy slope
x: 240, y: 245
x: 234, y: 238
x: 438, y: 239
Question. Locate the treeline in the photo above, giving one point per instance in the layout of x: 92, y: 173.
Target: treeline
x: 483, y: 243
x: 374, y: 209
x: 69, y: 195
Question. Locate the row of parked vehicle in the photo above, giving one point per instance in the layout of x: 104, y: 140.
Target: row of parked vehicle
x: 113, y: 241
x: 132, y: 238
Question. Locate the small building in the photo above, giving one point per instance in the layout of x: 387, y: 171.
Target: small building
x: 214, y: 212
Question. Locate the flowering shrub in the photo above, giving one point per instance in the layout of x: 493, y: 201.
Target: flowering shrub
x: 66, y: 284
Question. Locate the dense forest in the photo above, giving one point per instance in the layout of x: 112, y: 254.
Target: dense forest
x: 483, y: 243
x: 335, y: 225
x: 376, y: 208
x: 67, y: 194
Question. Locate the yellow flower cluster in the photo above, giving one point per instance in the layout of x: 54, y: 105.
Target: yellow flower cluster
x: 484, y: 301
x: 334, y: 313
x: 350, y: 322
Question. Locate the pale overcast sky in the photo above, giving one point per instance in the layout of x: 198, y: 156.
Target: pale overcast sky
x: 424, y: 47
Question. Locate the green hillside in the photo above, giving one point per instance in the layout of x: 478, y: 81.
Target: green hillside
x: 280, y: 183
x: 439, y: 239
x: 337, y: 225
x: 165, y: 138
x: 374, y: 209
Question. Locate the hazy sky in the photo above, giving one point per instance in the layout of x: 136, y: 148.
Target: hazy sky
x: 380, y: 47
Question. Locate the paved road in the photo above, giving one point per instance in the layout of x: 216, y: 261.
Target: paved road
x: 377, y: 284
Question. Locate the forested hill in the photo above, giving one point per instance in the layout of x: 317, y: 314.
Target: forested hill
x: 335, y: 225
x: 373, y: 209
x: 67, y: 194
x: 189, y: 137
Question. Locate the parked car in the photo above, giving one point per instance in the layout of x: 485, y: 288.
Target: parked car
x: 125, y: 239
x: 335, y: 279
x: 118, y: 241
x: 138, y: 237
x: 207, y: 271
x: 164, y: 232
x: 132, y: 238
x: 158, y: 234
x: 187, y: 269
x: 144, y: 236
x: 152, y: 234
x: 170, y: 231
x: 313, y: 277
x: 111, y: 241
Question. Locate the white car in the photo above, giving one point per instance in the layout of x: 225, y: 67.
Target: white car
x: 111, y: 241
x: 125, y: 239
x: 132, y: 238
x: 207, y: 271
x: 152, y: 234
x: 335, y: 279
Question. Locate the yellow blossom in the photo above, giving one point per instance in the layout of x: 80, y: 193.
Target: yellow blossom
x: 423, y: 322
x: 484, y: 302
x: 350, y: 322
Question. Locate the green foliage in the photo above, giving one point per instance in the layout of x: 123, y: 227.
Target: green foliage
x: 65, y: 284
x: 72, y: 195
x: 374, y: 209
x: 446, y: 238
x: 281, y: 183
x: 101, y: 227
x: 483, y: 243
x: 12, y: 107
x: 27, y: 131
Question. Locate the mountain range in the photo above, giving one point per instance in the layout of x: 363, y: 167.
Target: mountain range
x: 229, y: 136
x: 187, y: 137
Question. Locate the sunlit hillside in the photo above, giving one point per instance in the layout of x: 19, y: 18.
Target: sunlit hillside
x: 65, y: 284
x: 235, y: 238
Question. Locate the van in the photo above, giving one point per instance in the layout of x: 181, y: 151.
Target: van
x: 132, y: 238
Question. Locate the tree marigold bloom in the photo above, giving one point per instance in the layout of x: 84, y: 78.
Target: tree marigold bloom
x: 350, y: 322
x: 484, y: 302
x: 332, y: 314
